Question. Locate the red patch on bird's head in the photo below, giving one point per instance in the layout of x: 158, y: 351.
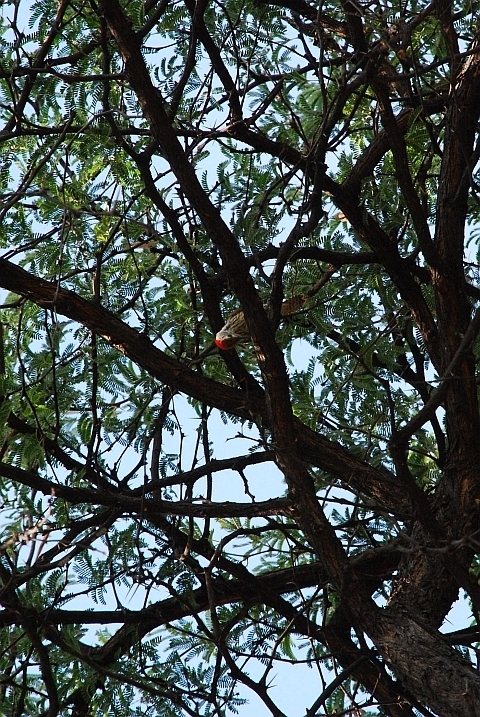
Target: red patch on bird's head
x: 222, y: 344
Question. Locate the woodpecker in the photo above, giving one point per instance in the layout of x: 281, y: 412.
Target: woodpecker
x: 235, y: 330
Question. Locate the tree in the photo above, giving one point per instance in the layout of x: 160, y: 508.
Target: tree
x: 164, y: 164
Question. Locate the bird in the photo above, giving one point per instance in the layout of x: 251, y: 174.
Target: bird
x: 236, y: 331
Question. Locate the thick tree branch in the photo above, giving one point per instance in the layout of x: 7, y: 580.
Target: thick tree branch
x: 139, y: 505
x: 329, y: 455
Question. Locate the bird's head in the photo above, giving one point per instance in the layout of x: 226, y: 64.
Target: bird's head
x: 225, y: 341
